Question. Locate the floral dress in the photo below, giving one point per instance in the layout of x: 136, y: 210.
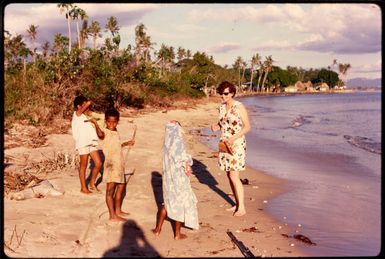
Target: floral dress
x: 113, y: 155
x: 231, y: 123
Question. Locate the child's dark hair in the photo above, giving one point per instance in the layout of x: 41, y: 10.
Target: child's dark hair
x: 112, y: 113
x: 79, y: 100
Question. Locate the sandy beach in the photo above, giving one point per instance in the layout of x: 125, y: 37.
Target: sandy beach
x: 77, y: 225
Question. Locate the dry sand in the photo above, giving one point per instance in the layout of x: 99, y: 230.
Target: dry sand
x: 77, y: 225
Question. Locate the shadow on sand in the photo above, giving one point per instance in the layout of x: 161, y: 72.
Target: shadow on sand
x: 132, y: 244
x: 205, y: 177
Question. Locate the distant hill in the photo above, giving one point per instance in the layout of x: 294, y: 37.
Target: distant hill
x: 363, y: 82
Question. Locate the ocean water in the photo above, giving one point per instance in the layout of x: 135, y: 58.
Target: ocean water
x: 328, y: 148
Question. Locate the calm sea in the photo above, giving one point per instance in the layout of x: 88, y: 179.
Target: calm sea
x: 328, y: 148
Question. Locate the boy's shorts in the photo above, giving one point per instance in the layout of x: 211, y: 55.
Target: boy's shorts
x: 87, y: 150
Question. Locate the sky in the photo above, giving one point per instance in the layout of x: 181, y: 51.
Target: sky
x: 302, y: 35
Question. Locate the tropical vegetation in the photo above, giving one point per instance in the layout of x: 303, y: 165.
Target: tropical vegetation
x: 40, y: 84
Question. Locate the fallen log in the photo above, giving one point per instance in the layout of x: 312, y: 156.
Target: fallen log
x: 244, y: 250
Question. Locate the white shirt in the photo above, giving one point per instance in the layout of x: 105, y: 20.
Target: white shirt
x: 83, y: 132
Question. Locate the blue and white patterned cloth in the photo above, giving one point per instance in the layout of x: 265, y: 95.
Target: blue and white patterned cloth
x: 179, y: 199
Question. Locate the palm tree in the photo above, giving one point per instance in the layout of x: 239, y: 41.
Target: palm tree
x: 24, y: 53
x: 255, y: 61
x: 84, y: 34
x: 243, y: 67
x: 61, y: 9
x: 112, y: 25
x: 188, y: 54
x: 32, y: 32
x: 268, y: 67
x: 94, y: 31
x: 45, y: 49
x: 343, y: 69
x: 181, y: 53
x: 237, y: 65
x: 166, y: 56
x: 76, y: 13
x: 143, y: 43
x: 260, y: 72
x: 59, y: 42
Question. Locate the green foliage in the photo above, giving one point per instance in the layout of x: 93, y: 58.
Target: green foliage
x: 110, y: 76
x: 328, y: 76
x: 282, y: 77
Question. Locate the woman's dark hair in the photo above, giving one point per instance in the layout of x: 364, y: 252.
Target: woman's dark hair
x: 79, y: 100
x: 225, y: 84
x: 112, y: 113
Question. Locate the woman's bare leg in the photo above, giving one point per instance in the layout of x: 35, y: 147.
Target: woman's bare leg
x: 239, y: 193
x: 233, y: 208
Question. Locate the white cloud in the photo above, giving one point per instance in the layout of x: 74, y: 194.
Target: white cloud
x: 224, y: 47
x: 275, y: 45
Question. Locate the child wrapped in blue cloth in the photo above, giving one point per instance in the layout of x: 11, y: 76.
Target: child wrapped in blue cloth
x: 180, y: 203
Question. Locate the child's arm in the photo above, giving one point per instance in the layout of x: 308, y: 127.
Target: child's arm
x: 128, y: 143
x: 99, y: 131
x: 187, y: 169
x: 83, y: 108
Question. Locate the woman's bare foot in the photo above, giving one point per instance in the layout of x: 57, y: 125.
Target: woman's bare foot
x: 232, y: 208
x: 239, y: 213
x: 122, y: 214
x: 155, y: 231
x: 180, y: 237
x: 85, y: 191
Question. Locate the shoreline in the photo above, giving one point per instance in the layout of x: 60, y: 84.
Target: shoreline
x: 76, y: 225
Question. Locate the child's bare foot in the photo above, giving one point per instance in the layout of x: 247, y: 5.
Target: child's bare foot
x: 180, y: 237
x: 155, y: 231
x: 122, y: 214
x: 117, y: 219
x: 94, y: 189
x: 85, y: 191
x: 239, y: 213
x: 232, y: 209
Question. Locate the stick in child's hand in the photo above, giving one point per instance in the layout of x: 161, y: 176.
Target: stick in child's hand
x: 90, y: 119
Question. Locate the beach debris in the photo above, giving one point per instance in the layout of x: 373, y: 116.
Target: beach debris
x: 251, y: 230
x: 14, y: 233
x: 304, y: 239
x: 265, y: 201
x: 255, y: 187
x: 244, y: 250
x: 43, y: 189
x: 245, y: 181
x: 301, y: 238
x: 15, y: 182
x: 364, y: 143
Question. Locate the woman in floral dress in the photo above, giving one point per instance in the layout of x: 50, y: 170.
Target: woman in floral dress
x: 234, y: 124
